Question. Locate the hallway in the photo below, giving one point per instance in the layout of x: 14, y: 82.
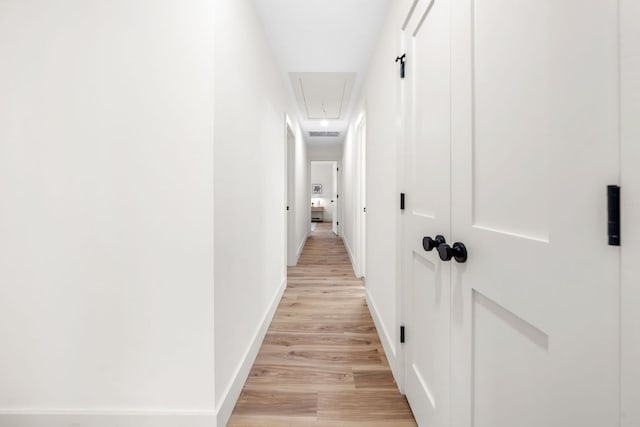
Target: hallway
x: 321, y: 362
x: 472, y: 167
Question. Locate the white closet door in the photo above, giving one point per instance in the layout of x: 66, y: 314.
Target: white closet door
x: 534, y: 143
x: 335, y: 199
x: 427, y: 210
x: 630, y: 267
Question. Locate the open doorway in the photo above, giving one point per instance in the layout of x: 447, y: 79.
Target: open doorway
x: 324, y: 195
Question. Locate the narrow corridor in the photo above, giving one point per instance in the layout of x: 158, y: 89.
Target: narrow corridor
x: 162, y: 163
x: 322, y: 362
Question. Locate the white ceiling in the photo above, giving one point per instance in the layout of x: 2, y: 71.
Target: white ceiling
x: 317, y: 43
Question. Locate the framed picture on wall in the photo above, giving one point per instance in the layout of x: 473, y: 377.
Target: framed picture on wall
x: 316, y: 188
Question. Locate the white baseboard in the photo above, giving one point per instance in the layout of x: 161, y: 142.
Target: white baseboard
x: 351, y: 257
x: 301, y: 248
x: 113, y: 418
x: 232, y: 393
x: 387, y: 343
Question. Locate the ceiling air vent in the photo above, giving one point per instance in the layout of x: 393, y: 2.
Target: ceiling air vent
x: 324, y: 133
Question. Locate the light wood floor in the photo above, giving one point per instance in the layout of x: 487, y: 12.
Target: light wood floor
x: 321, y: 363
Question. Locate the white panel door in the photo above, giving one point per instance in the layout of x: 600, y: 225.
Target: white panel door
x: 427, y: 210
x: 534, y: 143
x: 361, y: 129
x: 291, y: 197
x: 630, y: 154
x: 335, y: 200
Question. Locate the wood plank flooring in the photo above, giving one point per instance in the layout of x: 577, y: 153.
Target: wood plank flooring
x: 322, y: 363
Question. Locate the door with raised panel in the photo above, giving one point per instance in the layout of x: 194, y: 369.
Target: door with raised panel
x: 427, y: 209
x: 535, y: 308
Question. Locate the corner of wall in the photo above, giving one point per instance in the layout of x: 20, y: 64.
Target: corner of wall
x: 388, y: 344
x: 230, y: 396
x: 303, y: 242
x: 352, y: 258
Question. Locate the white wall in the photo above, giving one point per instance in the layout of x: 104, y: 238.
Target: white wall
x: 250, y: 144
x: 329, y: 151
x: 379, y: 101
x: 106, y: 225
x: 323, y: 172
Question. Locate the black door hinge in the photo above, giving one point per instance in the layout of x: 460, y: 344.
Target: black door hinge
x: 402, y: 201
x: 401, y: 334
x: 287, y: 207
x: 402, y: 60
x: 337, y: 196
x: 337, y: 223
x: 613, y: 210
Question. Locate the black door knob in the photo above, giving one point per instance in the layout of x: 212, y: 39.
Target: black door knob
x: 457, y: 252
x: 429, y: 244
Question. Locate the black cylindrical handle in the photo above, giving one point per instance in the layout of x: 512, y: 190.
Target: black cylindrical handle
x: 429, y: 244
x: 457, y: 252
x: 445, y: 252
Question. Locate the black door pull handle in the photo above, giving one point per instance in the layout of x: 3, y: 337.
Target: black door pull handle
x: 429, y: 244
x: 457, y: 252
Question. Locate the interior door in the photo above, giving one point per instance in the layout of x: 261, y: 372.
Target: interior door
x: 630, y: 268
x: 335, y: 199
x: 291, y: 200
x: 362, y: 193
x: 534, y: 143
x: 427, y: 209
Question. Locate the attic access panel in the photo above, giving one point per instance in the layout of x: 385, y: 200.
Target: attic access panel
x: 323, y: 96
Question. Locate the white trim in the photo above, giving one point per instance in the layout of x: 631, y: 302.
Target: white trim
x: 288, y: 121
x: 387, y: 343
x: 360, y: 118
x: 351, y: 257
x: 106, y: 418
x: 230, y: 396
x: 301, y: 247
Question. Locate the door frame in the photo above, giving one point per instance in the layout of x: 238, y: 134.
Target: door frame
x: 335, y: 219
x: 289, y: 192
x: 403, y: 135
x: 361, y: 174
x: 338, y: 210
x: 335, y: 181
